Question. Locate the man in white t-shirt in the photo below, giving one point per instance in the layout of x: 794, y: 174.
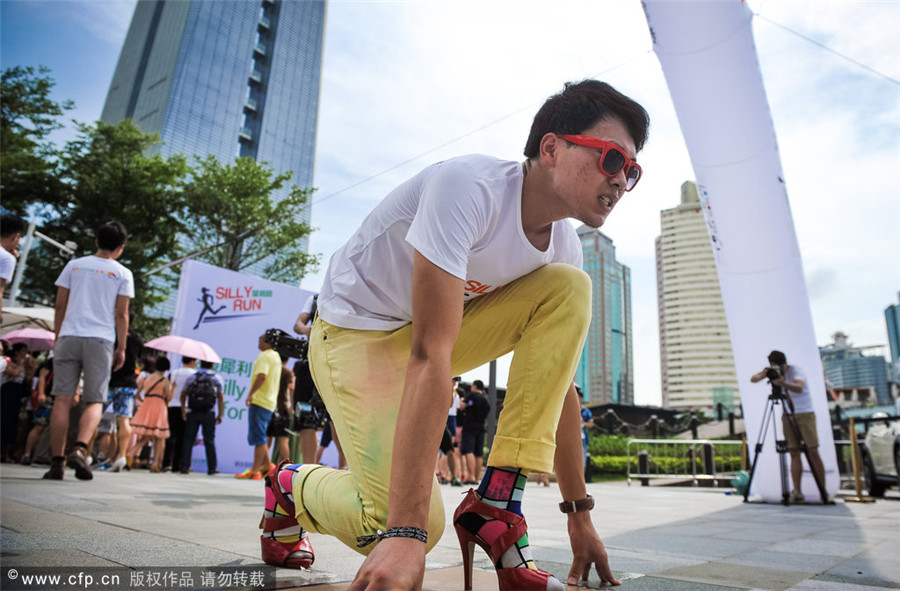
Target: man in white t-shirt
x: 91, y: 324
x: 792, y: 380
x: 175, y: 442
x: 11, y: 228
x: 470, y: 259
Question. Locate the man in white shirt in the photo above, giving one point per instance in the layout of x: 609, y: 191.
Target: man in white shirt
x: 470, y: 259
x: 11, y: 228
x: 91, y: 324
x: 175, y: 442
x: 792, y: 380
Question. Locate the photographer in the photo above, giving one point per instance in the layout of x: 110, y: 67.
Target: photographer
x: 792, y: 380
x: 306, y: 419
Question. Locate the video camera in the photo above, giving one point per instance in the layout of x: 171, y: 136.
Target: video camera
x: 286, y: 345
x: 773, y: 373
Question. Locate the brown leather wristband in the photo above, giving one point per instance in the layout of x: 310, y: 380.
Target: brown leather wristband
x: 585, y: 504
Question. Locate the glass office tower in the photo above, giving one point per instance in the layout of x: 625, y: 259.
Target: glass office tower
x: 231, y: 79
x: 606, y: 372
x: 892, y: 321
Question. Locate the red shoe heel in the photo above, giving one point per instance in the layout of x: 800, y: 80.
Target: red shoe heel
x: 472, y: 511
x: 297, y: 554
x: 467, y: 547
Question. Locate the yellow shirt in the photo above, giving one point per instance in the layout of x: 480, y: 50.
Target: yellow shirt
x: 268, y: 363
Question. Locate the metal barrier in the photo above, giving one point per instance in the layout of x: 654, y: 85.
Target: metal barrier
x: 687, y: 459
x: 684, y: 459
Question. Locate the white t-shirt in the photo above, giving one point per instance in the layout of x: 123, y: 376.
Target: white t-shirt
x: 465, y: 216
x: 307, y: 308
x: 7, y: 265
x: 94, y: 283
x: 179, y: 378
x: 803, y: 401
x: 454, y: 407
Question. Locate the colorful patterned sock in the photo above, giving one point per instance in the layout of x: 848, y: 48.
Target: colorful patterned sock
x: 291, y: 534
x: 502, y: 487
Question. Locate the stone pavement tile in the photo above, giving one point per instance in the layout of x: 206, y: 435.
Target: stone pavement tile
x: 445, y: 579
x: 622, y: 560
x: 879, y: 563
x: 763, y: 532
x: 735, y: 575
x: 818, y: 546
x: 823, y: 584
x: 53, y: 557
x: 699, y: 547
x: 785, y: 561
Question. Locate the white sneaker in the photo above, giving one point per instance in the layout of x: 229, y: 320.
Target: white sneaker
x: 118, y: 465
x: 797, y: 497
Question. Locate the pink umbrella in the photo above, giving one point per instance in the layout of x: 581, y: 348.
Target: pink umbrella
x: 171, y: 343
x: 37, y: 339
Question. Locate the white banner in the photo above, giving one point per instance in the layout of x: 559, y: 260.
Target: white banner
x: 709, y: 60
x: 229, y: 310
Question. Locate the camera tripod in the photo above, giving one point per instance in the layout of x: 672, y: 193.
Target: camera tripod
x: 775, y: 398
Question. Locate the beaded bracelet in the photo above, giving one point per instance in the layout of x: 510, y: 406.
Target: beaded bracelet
x: 394, y: 532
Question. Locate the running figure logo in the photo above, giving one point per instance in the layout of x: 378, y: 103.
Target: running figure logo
x: 207, y: 301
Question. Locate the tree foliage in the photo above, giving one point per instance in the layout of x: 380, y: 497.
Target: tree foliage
x: 27, y: 116
x: 114, y: 172
x: 241, y: 214
x: 232, y: 214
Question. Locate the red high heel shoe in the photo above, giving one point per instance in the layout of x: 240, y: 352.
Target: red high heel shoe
x: 510, y: 579
x: 287, y: 554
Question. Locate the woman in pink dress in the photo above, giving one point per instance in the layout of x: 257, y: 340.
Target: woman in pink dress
x: 151, y: 421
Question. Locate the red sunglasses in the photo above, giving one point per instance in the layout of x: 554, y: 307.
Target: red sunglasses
x: 612, y: 160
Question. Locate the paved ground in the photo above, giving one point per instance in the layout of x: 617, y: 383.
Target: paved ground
x: 658, y: 537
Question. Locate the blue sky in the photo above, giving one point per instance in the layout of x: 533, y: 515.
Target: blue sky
x: 408, y: 83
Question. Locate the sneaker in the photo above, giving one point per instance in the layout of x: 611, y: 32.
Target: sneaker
x: 55, y: 472
x: 25, y: 460
x: 249, y: 474
x: 212, y: 472
x: 104, y: 466
x: 118, y: 465
x: 797, y: 497
x: 456, y: 482
x: 77, y: 460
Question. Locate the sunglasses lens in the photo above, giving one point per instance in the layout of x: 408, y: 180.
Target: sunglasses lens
x: 612, y: 162
x: 632, y: 176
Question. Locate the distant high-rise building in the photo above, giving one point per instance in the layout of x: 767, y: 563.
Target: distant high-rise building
x: 696, y: 360
x: 606, y: 372
x: 854, y: 376
x: 225, y: 78
x: 892, y: 320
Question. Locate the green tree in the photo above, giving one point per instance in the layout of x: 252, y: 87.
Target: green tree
x: 27, y: 116
x: 115, y: 172
x: 232, y: 216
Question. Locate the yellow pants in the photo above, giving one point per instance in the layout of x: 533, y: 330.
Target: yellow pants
x: 542, y: 317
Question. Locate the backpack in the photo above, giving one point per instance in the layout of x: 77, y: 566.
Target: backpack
x: 202, y: 392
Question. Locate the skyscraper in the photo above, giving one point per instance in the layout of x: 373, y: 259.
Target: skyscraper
x: 225, y: 78
x: 696, y: 361
x: 606, y: 371
x: 852, y: 375
x: 892, y: 321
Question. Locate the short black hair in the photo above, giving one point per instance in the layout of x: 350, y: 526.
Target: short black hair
x: 206, y: 364
x: 478, y: 384
x: 185, y: 359
x: 580, y: 106
x: 161, y: 364
x: 11, y: 224
x: 777, y: 358
x: 111, y: 235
